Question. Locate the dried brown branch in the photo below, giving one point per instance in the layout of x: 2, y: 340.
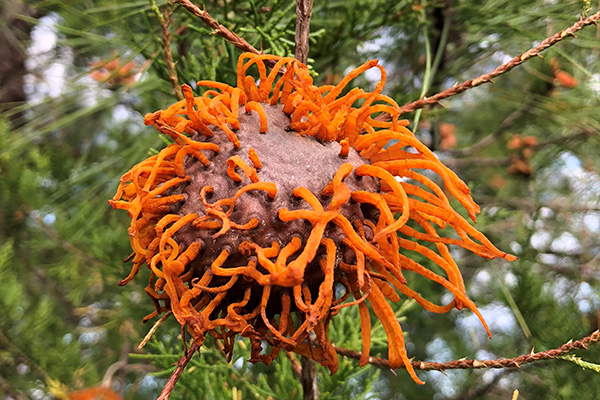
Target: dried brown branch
x: 219, y: 29
x: 295, y: 363
x: 181, y: 364
x: 472, y: 364
x: 308, y: 379
x: 471, y: 83
x: 153, y: 329
x: 303, y: 13
x: 165, y: 20
x: 166, y: 35
x: 123, y: 366
x: 111, y: 371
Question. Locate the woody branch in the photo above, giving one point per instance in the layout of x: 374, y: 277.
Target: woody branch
x: 181, y: 364
x: 166, y: 42
x: 472, y: 364
x: 520, y: 59
x: 303, y: 14
x: 218, y: 29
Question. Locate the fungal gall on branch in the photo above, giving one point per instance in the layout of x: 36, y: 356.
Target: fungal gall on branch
x: 277, y: 193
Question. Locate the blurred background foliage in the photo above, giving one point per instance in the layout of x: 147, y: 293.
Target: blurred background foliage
x: 76, y: 78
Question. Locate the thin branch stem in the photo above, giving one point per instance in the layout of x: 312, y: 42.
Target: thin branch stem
x: 123, y: 366
x: 219, y: 29
x: 505, y: 161
x: 431, y: 69
x: 308, y: 379
x: 492, y: 137
x: 472, y: 364
x: 181, y: 364
x: 66, y: 245
x: 7, y: 344
x: 471, y: 83
x: 296, y: 366
x: 153, y: 329
x: 166, y: 42
x: 441, y: 45
x: 303, y: 14
x: 427, y: 74
x: 483, y: 162
x: 8, y: 392
x: 481, y: 391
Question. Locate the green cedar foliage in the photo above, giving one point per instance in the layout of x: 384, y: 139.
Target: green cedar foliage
x: 64, y: 321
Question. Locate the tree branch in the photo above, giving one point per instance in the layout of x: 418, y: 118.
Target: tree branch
x: 550, y: 41
x: 181, y: 364
x: 532, y: 205
x: 492, y: 137
x: 296, y: 366
x: 308, y: 379
x: 153, y: 329
x: 8, y: 392
x: 166, y: 42
x: 66, y: 245
x: 7, y: 344
x: 219, y: 29
x: 483, y: 162
x: 303, y: 13
x: 473, y: 364
x: 481, y: 391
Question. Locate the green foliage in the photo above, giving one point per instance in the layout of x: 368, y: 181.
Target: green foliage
x: 64, y: 319
x: 582, y: 363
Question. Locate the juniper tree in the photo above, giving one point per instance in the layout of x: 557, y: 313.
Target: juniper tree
x: 526, y: 145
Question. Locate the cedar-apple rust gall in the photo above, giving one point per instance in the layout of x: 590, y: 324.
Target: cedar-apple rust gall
x: 278, y: 204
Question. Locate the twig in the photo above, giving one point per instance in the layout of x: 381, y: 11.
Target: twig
x: 153, y: 329
x: 584, y: 134
x: 166, y: 41
x: 427, y: 75
x: 531, y: 205
x: 66, y: 245
x: 122, y: 365
x: 483, y: 162
x: 8, y: 392
x: 481, y: 391
x: 111, y: 371
x: 219, y: 29
x: 486, y: 162
x: 296, y: 366
x: 303, y: 13
x: 308, y: 379
x: 471, y: 83
x: 7, y: 344
x: 181, y: 364
x: 491, y: 138
x: 511, y: 119
x: 472, y: 364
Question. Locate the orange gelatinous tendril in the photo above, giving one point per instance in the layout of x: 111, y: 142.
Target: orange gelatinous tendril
x: 239, y: 254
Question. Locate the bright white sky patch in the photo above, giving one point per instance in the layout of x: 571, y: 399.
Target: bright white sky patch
x: 566, y: 243
x: 46, y: 63
x: 498, y: 316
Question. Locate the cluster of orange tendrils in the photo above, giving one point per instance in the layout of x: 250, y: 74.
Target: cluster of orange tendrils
x: 285, y: 291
